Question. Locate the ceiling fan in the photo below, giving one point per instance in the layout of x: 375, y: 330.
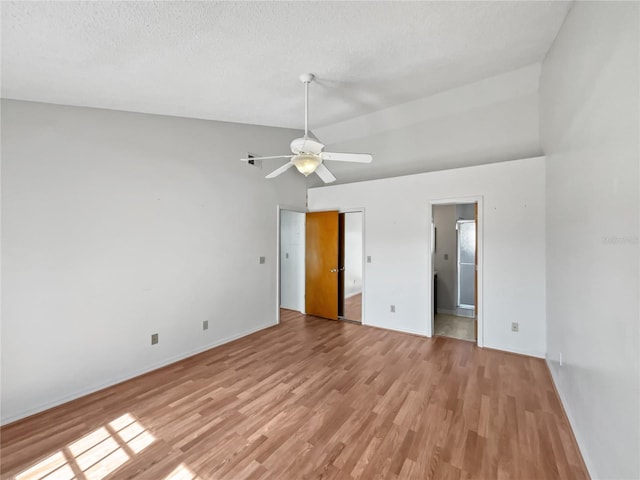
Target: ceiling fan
x: 308, y: 156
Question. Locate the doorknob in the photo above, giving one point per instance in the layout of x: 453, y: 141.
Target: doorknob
x: 334, y: 270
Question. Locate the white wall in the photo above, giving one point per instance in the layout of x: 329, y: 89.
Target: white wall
x: 489, y: 121
x: 397, y: 239
x: 589, y: 124
x: 119, y: 225
x: 292, y: 260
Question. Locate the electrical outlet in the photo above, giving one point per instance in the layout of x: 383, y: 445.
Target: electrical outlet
x: 560, y: 358
x: 446, y: 256
x: 154, y: 338
x: 393, y: 309
x: 368, y: 258
x: 514, y: 327
x: 205, y: 325
x: 263, y: 260
x: 286, y: 255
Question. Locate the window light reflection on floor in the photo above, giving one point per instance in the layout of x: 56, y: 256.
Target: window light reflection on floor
x: 182, y: 472
x: 95, y: 455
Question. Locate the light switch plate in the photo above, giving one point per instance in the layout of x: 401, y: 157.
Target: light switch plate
x: 263, y: 260
x: 154, y: 338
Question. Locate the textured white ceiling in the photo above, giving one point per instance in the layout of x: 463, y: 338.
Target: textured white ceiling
x: 240, y: 61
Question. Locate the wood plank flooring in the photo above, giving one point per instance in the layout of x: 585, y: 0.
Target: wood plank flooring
x: 311, y: 398
x: 353, y: 308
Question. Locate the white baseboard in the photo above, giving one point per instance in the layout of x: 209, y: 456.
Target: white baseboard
x: 128, y: 376
x: 587, y: 461
x: 528, y: 353
x: 404, y: 330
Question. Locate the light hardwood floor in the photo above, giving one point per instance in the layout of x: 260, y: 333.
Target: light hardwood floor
x: 353, y: 308
x: 311, y: 398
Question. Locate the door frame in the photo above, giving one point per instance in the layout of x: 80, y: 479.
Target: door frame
x: 279, y: 208
x: 479, y: 199
x: 364, y: 250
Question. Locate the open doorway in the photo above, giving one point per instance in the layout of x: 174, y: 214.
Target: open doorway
x: 350, y: 267
x: 302, y: 250
x: 454, y: 262
x: 333, y: 265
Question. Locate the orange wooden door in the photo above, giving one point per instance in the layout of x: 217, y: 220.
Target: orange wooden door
x: 321, y: 265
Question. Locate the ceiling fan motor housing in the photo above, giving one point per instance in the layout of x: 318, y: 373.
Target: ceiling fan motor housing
x: 306, y: 145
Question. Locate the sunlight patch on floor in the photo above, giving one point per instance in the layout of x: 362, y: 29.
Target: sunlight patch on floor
x: 182, y: 472
x: 95, y: 455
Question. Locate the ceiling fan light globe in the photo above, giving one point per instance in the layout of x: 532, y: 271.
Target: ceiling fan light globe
x: 306, y: 163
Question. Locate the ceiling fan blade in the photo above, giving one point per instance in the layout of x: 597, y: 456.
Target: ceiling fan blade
x: 280, y: 170
x: 324, y: 173
x: 347, y: 157
x: 265, y: 158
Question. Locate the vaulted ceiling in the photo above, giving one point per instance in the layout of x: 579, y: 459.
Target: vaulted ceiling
x: 240, y: 61
x: 422, y: 86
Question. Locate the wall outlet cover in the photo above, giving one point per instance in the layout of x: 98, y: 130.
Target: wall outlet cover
x: 154, y: 338
x: 263, y: 260
x: 393, y: 309
x: 514, y: 326
x: 205, y: 325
